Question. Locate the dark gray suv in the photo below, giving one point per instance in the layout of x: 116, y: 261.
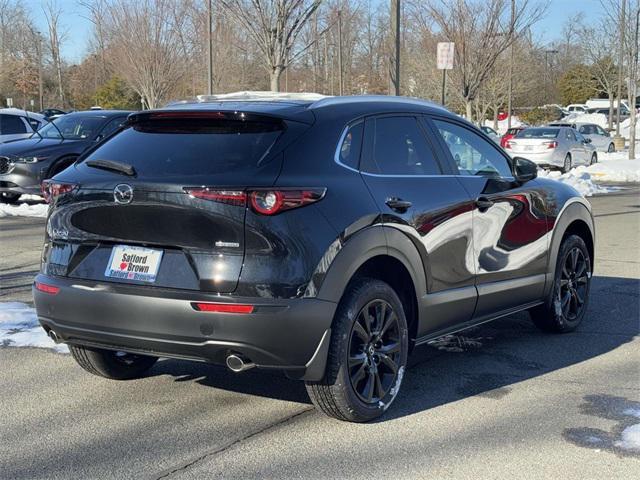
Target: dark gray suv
x: 326, y: 239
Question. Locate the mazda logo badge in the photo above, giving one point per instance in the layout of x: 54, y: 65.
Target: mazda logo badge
x: 123, y: 193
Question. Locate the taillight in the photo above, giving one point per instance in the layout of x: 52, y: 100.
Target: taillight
x: 262, y: 201
x: 51, y: 190
x: 508, y: 144
x: 553, y: 144
x: 43, y: 287
x: 222, y: 307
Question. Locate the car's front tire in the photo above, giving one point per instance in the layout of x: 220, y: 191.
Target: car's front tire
x: 367, y: 356
x: 567, y: 302
x: 612, y: 148
x: 111, y: 364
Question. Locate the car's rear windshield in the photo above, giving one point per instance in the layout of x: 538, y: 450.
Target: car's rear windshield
x: 513, y: 131
x: 190, y: 146
x: 538, y: 133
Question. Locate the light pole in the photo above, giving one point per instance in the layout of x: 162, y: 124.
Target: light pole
x: 510, y: 93
x: 340, y: 66
x: 209, y: 49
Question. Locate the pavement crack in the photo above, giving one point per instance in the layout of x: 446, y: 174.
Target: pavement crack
x: 184, y: 466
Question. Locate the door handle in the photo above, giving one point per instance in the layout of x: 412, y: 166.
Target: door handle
x: 483, y: 203
x: 398, y: 204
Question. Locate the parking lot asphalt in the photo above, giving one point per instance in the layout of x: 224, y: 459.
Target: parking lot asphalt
x: 499, y: 401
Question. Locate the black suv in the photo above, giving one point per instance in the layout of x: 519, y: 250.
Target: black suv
x: 323, y: 238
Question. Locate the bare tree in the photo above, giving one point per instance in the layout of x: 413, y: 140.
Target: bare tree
x: 480, y: 33
x: 52, y: 14
x: 144, y: 46
x: 274, y: 25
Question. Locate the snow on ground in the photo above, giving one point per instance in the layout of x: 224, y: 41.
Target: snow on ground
x: 23, y: 210
x: 502, y: 124
x: 597, y: 118
x: 611, y: 168
x: 19, y: 327
x: 630, y: 438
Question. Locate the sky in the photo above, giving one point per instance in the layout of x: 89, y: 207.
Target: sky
x: 79, y: 28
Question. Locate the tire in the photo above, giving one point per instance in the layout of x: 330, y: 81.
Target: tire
x: 60, y: 165
x: 594, y: 159
x: 566, y: 167
x: 555, y: 315
x: 9, y: 197
x: 111, y: 364
x: 365, y: 390
x: 612, y: 148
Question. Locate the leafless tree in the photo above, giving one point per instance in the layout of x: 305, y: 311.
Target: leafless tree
x: 57, y: 36
x: 274, y: 25
x: 480, y: 33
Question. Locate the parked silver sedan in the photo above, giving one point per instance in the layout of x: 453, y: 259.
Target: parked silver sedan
x: 553, y: 147
x: 600, y: 138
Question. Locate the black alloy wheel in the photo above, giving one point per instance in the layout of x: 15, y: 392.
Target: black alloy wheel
x: 573, y: 287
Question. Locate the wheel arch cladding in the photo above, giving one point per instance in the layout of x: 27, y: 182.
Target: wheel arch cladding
x: 367, y: 254
x: 575, y: 219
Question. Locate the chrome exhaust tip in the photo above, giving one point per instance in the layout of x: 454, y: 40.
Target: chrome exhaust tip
x: 237, y: 364
x: 54, y: 336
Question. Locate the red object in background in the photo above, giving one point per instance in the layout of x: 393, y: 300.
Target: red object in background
x: 502, y: 116
x: 512, y: 132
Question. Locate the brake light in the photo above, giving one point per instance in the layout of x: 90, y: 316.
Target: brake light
x: 51, y: 190
x: 553, y: 144
x: 263, y: 201
x: 508, y: 145
x: 222, y: 307
x: 230, y: 197
x: 43, y: 287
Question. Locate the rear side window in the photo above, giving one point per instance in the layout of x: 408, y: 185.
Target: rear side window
x: 400, y: 148
x: 11, y: 125
x: 190, y: 146
x: 349, y: 151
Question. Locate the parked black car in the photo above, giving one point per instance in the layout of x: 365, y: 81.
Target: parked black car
x: 323, y: 238
x: 51, y: 113
x: 25, y: 163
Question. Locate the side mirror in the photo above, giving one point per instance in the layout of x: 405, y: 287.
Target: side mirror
x: 587, y: 140
x: 524, y: 170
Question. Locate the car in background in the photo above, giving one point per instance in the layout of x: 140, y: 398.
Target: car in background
x: 491, y: 133
x: 624, y: 112
x: 25, y: 163
x: 511, y: 132
x: 553, y: 147
x: 577, y: 108
x: 16, y: 124
x: 600, y: 138
x: 51, y: 113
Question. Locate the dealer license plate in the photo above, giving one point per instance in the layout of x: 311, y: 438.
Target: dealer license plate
x: 134, y: 263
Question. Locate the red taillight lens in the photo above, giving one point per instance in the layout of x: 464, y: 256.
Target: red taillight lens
x: 51, y: 190
x: 508, y: 145
x: 231, y: 197
x: 43, y: 287
x: 264, y: 202
x: 551, y: 144
x: 223, y: 307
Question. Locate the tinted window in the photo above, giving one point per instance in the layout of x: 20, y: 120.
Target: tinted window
x: 111, y: 127
x: 11, y: 125
x: 349, y: 153
x: 569, y: 135
x: 600, y: 130
x: 72, y: 127
x: 538, y: 133
x: 473, y: 154
x: 588, y: 129
x: 400, y: 148
x: 190, y: 147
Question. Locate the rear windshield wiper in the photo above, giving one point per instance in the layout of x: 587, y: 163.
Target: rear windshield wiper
x: 112, y: 166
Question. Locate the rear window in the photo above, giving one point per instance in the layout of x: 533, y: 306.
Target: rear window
x: 513, y: 131
x: 190, y: 146
x: 538, y: 133
x: 11, y: 125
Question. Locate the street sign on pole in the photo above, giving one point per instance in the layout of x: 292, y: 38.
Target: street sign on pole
x: 446, y: 52
x: 9, y: 102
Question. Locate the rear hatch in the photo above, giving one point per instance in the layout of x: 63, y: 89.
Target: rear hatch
x: 161, y: 203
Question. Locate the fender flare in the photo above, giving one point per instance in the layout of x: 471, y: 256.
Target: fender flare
x: 574, y: 210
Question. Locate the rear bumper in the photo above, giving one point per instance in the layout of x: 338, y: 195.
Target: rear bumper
x: 552, y: 158
x: 291, y: 335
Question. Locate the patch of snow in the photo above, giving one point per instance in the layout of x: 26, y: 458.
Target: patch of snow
x: 630, y: 438
x: 19, y: 327
x: 597, y: 118
x: 633, y: 412
x: 581, y: 181
x: 614, y: 167
x: 33, y: 198
x: 502, y: 124
x: 23, y: 210
x: 625, y: 128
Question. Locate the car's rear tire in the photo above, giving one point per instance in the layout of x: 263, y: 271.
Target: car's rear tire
x: 567, y: 302
x: 367, y: 355
x: 111, y: 364
x: 566, y: 166
x: 9, y: 197
x: 612, y: 148
x: 594, y: 158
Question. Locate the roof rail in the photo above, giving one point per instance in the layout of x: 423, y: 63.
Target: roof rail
x: 261, y: 96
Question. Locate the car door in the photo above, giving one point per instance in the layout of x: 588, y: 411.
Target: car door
x: 586, y: 148
x: 575, y: 148
x: 419, y: 196
x: 509, y: 221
